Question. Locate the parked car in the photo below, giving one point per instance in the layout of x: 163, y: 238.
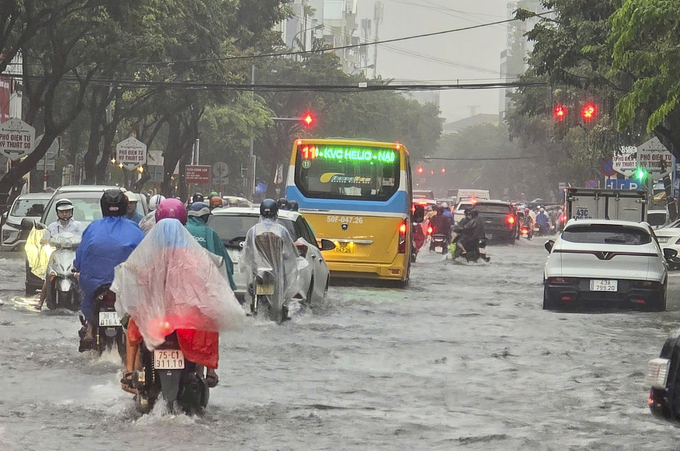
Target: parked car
x: 500, y: 220
x: 606, y: 262
x: 30, y: 205
x: 86, y: 208
x: 669, y: 238
x: 233, y: 223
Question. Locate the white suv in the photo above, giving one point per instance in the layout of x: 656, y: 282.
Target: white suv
x: 597, y: 261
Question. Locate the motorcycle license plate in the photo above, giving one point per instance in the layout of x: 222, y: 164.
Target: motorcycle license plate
x: 604, y: 285
x: 657, y: 373
x: 109, y: 319
x: 168, y: 359
x: 438, y: 248
x: 264, y: 289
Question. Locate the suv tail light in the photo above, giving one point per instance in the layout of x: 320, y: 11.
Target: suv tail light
x: 646, y: 284
x: 302, y: 249
x: 403, y: 229
x: 678, y: 242
x: 561, y: 280
x: 510, y: 219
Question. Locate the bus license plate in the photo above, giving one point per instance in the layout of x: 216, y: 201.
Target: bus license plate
x: 109, y: 319
x: 344, y: 248
x: 264, y: 289
x: 168, y: 359
x: 604, y: 285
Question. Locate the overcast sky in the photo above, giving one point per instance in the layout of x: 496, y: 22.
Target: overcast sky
x: 467, y: 56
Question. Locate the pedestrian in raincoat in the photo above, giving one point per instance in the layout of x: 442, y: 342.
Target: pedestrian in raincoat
x: 106, y: 243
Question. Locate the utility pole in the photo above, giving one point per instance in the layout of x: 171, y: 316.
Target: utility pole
x: 377, y: 18
x: 250, y: 187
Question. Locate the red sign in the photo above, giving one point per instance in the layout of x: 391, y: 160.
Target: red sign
x: 197, y: 175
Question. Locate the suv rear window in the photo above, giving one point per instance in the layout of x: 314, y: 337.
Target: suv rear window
x: 232, y: 229
x: 606, y: 234
x: 491, y: 208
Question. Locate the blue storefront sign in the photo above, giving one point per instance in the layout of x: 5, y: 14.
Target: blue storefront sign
x: 623, y: 184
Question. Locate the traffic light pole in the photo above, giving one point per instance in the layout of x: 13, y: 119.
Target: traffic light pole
x: 252, y: 162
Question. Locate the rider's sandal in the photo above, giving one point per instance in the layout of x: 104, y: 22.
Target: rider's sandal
x: 126, y: 383
x: 212, y: 380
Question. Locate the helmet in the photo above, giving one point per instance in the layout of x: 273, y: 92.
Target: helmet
x: 282, y: 203
x: 113, y: 203
x: 216, y: 201
x: 64, y: 204
x: 474, y: 213
x: 269, y: 209
x: 445, y: 205
x: 213, y: 194
x: 198, y: 209
x: 440, y: 210
x: 155, y: 200
x: 542, y: 210
x: 526, y: 210
x: 132, y: 197
x: 293, y: 205
x: 171, y: 208
x: 197, y: 197
x: 64, y: 209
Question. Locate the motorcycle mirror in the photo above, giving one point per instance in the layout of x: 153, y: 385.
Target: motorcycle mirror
x: 418, y: 214
x: 670, y: 254
x: 549, y: 245
x: 28, y: 223
x: 327, y: 245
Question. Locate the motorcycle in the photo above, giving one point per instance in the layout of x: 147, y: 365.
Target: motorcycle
x: 663, y: 376
x: 62, y: 287
x: 264, y: 292
x: 165, y: 371
x: 472, y: 255
x: 418, y: 241
x: 110, y: 330
x: 438, y: 244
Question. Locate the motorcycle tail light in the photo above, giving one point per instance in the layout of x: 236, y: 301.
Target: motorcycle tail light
x: 429, y: 230
x: 403, y: 228
x: 302, y: 249
x: 561, y: 280
x: 656, y: 375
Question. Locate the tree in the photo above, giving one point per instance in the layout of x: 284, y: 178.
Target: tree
x: 644, y: 39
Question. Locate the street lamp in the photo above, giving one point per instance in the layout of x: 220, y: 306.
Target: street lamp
x: 370, y: 66
x: 304, y: 42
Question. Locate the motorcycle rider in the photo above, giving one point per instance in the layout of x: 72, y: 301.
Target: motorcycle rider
x: 132, y: 214
x: 216, y: 202
x: 543, y: 222
x: 197, y: 197
x: 440, y: 223
x: 196, y: 223
x: 471, y: 233
x: 106, y: 243
x: 528, y: 222
x: 150, y: 219
x: 171, y: 276
x: 269, y: 245
x: 64, y: 223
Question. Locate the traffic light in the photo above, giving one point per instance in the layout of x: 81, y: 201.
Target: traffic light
x: 420, y: 170
x: 560, y: 112
x: 589, y: 111
x: 308, y: 120
x: 640, y: 174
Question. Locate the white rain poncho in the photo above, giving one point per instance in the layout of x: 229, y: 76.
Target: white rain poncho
x: 269, y: 246
x: 170, y: 282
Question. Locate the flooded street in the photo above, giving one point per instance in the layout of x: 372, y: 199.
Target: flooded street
x: 465, y: 358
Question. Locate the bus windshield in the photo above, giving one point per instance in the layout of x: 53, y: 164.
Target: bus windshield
x: 338, y: 171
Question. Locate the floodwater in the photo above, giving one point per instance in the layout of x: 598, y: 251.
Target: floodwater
x: 465, y: 358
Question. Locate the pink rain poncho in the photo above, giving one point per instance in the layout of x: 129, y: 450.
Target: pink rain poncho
x: 171, y: 283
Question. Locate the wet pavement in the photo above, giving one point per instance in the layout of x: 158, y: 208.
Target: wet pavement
x: 465, y: 358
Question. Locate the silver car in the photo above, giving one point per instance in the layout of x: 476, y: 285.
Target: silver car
x: 232, y: 225
x: 30, y: 205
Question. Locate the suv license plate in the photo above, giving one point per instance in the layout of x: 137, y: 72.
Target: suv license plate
x: 109, y: 319
x: 168, y: 359
x: 604, y: 285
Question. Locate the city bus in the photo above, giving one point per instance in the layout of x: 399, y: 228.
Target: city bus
x: 356, y: 193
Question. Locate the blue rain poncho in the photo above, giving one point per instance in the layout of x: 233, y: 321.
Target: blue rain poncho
x: 106, y: 243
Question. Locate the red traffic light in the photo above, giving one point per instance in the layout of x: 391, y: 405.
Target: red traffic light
x: 420, y: 170
x: 560, y: 112
x: 308, y: 119
x: 589, y: 111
